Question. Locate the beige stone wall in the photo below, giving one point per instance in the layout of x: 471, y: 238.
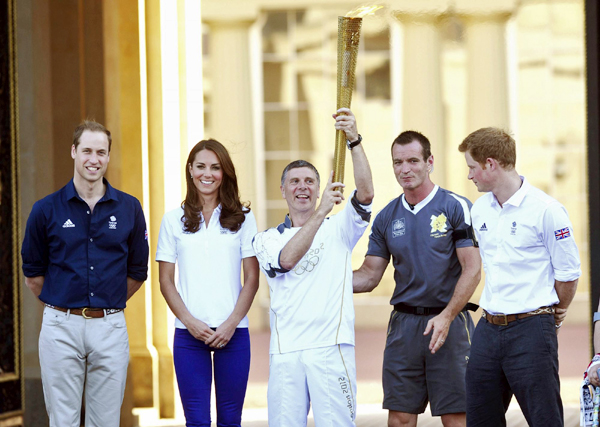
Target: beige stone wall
x: 266, y: 72
x: 519, y: 66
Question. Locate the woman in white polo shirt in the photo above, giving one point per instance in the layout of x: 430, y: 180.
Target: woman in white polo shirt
x: 210, y: 239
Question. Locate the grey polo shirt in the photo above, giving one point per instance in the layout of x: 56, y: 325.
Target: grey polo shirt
x: 421, y: 244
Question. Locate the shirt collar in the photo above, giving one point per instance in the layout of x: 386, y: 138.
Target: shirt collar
x: 216, y: 210
x: 111, y: 193
x: 517, y: 198
x: 287, y: 223
x: 422, y: 203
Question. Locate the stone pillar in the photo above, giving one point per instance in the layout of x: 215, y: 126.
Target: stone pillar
x: 231, y: 113
x: 422, y: 102
x: 166, y: 149
x: 175, y: 124
x: 231, y: 101
x: 487, y: 68
x: 124, y: 114
x: 36, y: 171
x: 487, y: 87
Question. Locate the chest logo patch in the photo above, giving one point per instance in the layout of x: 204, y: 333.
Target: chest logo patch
x: 68, y: 224
x: 513, y: 229
x: 398, y: 227
x: 112, y: 224
x: 438, y: 224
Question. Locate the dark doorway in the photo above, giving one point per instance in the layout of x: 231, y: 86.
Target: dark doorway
x: 592, y: 17
x: 11, y: 374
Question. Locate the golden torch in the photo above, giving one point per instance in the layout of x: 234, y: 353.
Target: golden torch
x: 347, y: 52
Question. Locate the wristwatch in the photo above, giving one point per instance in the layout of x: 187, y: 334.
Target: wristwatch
x: 353, y: 144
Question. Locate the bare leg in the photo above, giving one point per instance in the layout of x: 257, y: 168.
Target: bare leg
x: 401, y: 419
x: 455, y: 420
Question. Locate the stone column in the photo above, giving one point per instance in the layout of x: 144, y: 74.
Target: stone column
x: 231, y: 113
x: 231, y: 99
x: 422, y: 102
x: 487, y: 87
x: 166, y: 147
x: 36, y: 178
x: 128, y: 172
x: 487, y: 68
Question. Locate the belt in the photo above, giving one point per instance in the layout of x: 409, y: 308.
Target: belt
x: 505, y: 319
x: 87, y: 312
x: 426, y: 311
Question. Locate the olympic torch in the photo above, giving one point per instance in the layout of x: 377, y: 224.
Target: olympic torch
x: 348, y: 38
x: 347, y: 52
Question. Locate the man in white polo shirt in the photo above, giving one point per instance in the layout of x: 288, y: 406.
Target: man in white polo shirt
x: 532, y: 267
x: 307, y: 260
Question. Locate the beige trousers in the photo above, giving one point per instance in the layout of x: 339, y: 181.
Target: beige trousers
x: 77, y: 355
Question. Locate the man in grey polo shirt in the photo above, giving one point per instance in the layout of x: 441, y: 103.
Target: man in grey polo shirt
x: 427, y: 232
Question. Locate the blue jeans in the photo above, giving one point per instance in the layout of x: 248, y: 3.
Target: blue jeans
x: 194, y: 370
x: 519, y: 358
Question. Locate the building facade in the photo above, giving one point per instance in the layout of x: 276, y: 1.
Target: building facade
x: 260, y: 76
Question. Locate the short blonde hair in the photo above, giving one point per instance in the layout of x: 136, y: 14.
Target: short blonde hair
x: 492, y: 143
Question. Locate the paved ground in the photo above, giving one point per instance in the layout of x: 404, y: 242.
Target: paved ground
x: 574, y: 354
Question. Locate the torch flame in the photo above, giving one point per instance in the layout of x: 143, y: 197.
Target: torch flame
x: 363, y: 11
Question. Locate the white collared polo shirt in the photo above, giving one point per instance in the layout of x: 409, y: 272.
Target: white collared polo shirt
x: 525, y: 246
x: 209, y: 264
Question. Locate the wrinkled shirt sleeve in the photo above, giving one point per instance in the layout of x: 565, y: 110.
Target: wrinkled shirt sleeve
x: 560, y: 243
x: 137, y: 259
x: 268, y: 246
x: 34, y: 251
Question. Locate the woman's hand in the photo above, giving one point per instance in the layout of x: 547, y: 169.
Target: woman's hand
x: 199, y: 330
x: 221, y: 336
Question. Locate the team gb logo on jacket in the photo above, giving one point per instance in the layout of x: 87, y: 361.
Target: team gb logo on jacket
x: 112, y: 224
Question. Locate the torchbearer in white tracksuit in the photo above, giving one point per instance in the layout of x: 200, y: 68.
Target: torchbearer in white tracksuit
x: 307, y: 260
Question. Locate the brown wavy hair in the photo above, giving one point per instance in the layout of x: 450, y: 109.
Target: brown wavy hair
x: 232, y: 209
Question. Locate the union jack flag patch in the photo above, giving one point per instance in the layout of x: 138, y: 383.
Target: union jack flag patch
x: 563, y: 233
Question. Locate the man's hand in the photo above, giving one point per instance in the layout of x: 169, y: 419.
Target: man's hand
x: 345, y: 120
x: 559, y: 315
x: 35, y: 284
x: 331, y: 196
x: 440, y: 325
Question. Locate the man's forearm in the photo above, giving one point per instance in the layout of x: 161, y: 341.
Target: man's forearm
x: 363, y: 281
x: 35, y: 284
x: 565, y: 292
x: 368, y: 276
x: 298, y: 245
x: 132, y: 286
x: 465, y: 287
x: 470, y: 262
x: 362, y: 175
